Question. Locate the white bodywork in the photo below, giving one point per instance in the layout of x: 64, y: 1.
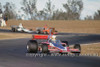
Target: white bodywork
x: 20, y: 28
x: 24, y: 30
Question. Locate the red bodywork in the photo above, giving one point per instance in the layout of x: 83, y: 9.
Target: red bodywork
x: 53, y: 31
x: 40, y: 37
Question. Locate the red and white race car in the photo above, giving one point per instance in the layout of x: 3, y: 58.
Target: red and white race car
x: 51, y: 45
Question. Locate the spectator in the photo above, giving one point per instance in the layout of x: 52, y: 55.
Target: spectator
x: 2, y: 22
x: 6, y: 19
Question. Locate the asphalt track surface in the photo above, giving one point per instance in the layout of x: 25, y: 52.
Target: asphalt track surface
x: 72, y: 38
x: 13, y: 53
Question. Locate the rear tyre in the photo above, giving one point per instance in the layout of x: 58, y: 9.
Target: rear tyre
x: 45, y: 48
x: 31, y: 30
x: 77, y: 46
x: 22, y: 31
x: 38, y: 32
x: 13, y: 30
x: 32, y: 46
x: 56, y: 32
x: 45, y: 33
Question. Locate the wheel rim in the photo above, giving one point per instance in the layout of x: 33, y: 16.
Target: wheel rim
x: 27, y: 47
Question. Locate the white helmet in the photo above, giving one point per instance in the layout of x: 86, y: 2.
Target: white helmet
x: 53, y: 37
x: 20, y: 25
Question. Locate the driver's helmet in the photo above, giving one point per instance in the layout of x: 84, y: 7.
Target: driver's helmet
x: 53, y: 38
x: 21, y: 25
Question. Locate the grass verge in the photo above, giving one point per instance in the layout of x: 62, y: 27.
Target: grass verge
x: 14, y: 35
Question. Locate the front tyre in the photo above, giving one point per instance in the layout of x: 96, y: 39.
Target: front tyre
x: 13, y: 30
x: 38, y: 32
x: 45, y: 48
x: 77, y: 46
x: 45, y: 33
x: 32, y: 46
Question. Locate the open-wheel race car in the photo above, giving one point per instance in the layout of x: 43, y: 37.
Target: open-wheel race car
x: 51, y: 45
x: 46, y: 30
x: 20, y: 28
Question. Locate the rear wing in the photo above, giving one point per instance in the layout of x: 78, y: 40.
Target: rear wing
x: 44, y: 37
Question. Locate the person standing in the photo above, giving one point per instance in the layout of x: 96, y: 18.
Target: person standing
x: 6, y: 19
x: 2, y: 21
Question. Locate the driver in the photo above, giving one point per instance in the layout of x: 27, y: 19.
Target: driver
x: 21, y: 25
x: 53, y: 38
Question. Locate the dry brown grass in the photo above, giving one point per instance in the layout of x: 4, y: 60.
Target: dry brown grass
x: 91, y: 49
x: 62, y: 26
x: 14, y: 35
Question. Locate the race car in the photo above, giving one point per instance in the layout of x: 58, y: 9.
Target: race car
x: 20, y: 28
x: 51, y: 45
x: 46, y: 30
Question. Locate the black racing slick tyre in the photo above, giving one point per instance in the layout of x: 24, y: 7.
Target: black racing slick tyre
x: 32, y: 46
x: 45, y: 33
x: 77, y: 46
x: 13, y: 30
x: 45, y: 48
x: 22, y: 31
x: 38, y: 32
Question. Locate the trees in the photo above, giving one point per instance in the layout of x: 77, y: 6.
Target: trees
x: 0, y: 6
x: 29, y: 8
x: 88, y: 18
x: 47, y: 12
x: 59, y: 15
x: 49, y: 9
x: 9, y: 10
x: 41, y: 15
x: 97, y: 15
x: 73, y: 9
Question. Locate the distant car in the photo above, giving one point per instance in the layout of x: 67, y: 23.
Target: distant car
x: 46, y: 30
x: 50, y: 46
x: 20, y: 28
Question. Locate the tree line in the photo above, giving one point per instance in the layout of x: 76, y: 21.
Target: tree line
x: 73, y: 9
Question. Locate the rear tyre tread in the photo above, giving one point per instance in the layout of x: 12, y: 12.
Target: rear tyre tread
x: 32, y: 46
x: 45, y: 48
x: 77, y: 46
